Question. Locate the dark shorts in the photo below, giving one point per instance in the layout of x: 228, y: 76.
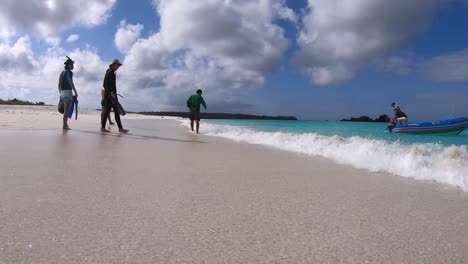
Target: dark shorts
x: 194, y: 115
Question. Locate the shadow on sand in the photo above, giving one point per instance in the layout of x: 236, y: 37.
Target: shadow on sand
x: 139, y: 137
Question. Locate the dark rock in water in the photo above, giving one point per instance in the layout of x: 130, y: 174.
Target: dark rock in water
x: 382, y: 118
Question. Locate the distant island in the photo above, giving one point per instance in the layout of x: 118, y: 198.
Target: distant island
x: 19, y: 102
x: 220, y: 116
x: 381, y: 118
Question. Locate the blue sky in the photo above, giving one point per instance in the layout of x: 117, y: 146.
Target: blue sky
x: 316, y: 59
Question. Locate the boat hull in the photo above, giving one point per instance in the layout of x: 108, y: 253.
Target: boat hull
x: 446, y: 127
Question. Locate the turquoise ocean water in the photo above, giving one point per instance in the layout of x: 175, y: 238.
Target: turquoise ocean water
x: 362, y: 145
x: 344, y: 129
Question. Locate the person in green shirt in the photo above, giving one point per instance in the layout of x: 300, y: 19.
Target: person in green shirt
x: 193, y: 103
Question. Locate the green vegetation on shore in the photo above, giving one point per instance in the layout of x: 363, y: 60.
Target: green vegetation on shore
x: 221, y: 116
x: 19, y: 102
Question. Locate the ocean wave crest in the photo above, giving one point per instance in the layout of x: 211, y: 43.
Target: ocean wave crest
x: 421, y: 161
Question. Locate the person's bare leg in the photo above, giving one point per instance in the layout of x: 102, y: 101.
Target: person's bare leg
x: 198, y: 125
x: 119, y: 123
x: 103, y: 112
x: 191, y: 124
x: 66, y: 107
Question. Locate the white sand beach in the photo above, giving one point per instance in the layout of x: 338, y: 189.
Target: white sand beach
x: 161, y: 194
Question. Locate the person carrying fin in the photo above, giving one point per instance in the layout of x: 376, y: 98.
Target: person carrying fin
x: 110, y: 97
x: 66, y: 89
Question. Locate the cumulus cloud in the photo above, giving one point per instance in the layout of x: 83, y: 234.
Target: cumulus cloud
x: 397, y: 65
x: 284, y: 12
x: 49, y: 17
x: 239, y: 34
x: 17, y: 57
x: 43, y: 71
x: 45, y: 20
x: 222, y: 47
x: 53, y: 41
x: 126, y: 35
x: 73, y: 38
x: 339, y: 37
x: 446, y: 68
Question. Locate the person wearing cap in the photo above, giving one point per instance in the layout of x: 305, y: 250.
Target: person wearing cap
x: 110, y: 95
x: 66, y: 89
x: 193, y: 103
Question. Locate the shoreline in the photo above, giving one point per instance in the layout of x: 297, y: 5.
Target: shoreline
x: 163, y: 195
x: 423, y: 161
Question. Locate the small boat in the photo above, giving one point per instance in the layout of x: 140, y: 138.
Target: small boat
x: 451, y: 126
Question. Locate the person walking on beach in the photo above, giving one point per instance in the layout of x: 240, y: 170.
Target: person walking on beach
x: 193, y: 103
x: 110, y: 97
x: 103, y: 104
x: 66, y: 88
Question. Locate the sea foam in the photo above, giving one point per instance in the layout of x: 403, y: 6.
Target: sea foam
x: 421, y: 161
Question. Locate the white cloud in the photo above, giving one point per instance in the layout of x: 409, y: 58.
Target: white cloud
x: 28, y: 76
x: 49, y: 18
x: 446, y: 68
x: 53, y: 41
x: 397, y: 65
x: 284, y: 12
x: 73, y: 38
x: 339, y: 37
x: 224, y: 48
x: 126, y: 35
x: 17, y: 57
x: 236, y: 35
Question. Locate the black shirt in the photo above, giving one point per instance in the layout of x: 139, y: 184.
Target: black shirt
x: 400, y: 114
x: 109, y: 82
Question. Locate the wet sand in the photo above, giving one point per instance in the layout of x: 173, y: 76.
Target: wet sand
x: 164, y: 195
